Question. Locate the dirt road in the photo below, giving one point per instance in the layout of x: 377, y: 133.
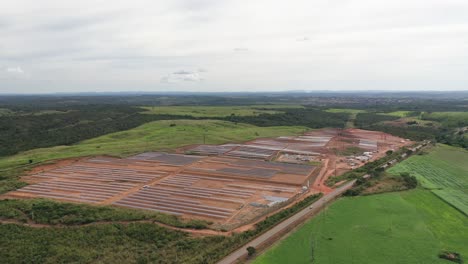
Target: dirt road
x: 286, y: 225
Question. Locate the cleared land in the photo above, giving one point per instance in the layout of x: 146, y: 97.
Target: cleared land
x: 221, y: 189
x: 444, y: 170
x: 217, y: 111
x: 405, y: 227
x: 231, y: 184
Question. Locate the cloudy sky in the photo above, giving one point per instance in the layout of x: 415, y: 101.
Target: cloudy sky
x: 222, y: 45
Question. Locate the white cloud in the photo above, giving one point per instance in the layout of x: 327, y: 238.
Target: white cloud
x: 14, y: 70
x: 182, y: 76
x: 241, y: 49
x: 260, y: 45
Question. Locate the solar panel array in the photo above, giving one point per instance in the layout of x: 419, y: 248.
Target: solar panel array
x: 178, y: 194
x: 213, y: 187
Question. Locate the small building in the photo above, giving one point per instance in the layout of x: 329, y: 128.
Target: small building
x: 362, y: 158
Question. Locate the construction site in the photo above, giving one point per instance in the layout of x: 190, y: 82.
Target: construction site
x: 230, y: 185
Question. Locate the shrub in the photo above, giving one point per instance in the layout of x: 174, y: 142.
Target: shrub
x: 251, y: 251
x: 410, y: 181
x: 451, y: 256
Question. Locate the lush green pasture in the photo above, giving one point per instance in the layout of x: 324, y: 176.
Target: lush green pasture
x: 453, y: 119
x: 444, y: 170
x: 5, y: 112
x: 345, y: 110
x: 403, y: 227
x: 398, y: 113
x: 217, y: 111
x: 158, y: 135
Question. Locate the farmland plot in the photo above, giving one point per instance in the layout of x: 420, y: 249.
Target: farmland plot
x: 444, y: 171
x: 402, y: 227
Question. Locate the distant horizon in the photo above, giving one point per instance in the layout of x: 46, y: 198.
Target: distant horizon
x: 240, y: 92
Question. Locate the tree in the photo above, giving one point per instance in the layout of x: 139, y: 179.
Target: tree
x: 410, y: 181
x: 389, y: 152
x: 251, y: 251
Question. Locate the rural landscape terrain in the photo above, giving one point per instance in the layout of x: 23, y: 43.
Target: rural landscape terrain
x: 225, y: 178
x: 231, y: 132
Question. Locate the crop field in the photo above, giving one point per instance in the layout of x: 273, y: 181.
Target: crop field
x: 405, y: 227
x: 444, y: 170
x: 217, y: 111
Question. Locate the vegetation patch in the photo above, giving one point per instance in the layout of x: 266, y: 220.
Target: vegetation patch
x: 385, y: 183
x: 346, y: 110
x: 353, y: 150
x: 450, y: 119
x: 113, y: 242
x: 41, y: 211
x: 107, y: 243
x: 451, y: 256
x: 159, y: 135
x: 403, y: 227
x: 217, y: 111
x: 399, y: 113
x: 444, y: 170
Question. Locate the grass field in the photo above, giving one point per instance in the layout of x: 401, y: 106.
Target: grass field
x: 398, y: 113
x: 402, y: 227
x: 345, y: 110
x: 5, y: 112
x: 158, y: 135
x: 217, y: 111
x: 444, y: 170
x: 453, y: 119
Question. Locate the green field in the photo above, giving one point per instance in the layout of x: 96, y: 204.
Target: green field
x: 345, y: 110
x: 452, y: 119
x: 217, y: 111
x: 158, y: 135
x: 444, y: 170
x: 5, y: 112
x: 398, y: 113
x: 403, y: 227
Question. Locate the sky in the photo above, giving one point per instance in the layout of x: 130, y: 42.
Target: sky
x: 51, y: 46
